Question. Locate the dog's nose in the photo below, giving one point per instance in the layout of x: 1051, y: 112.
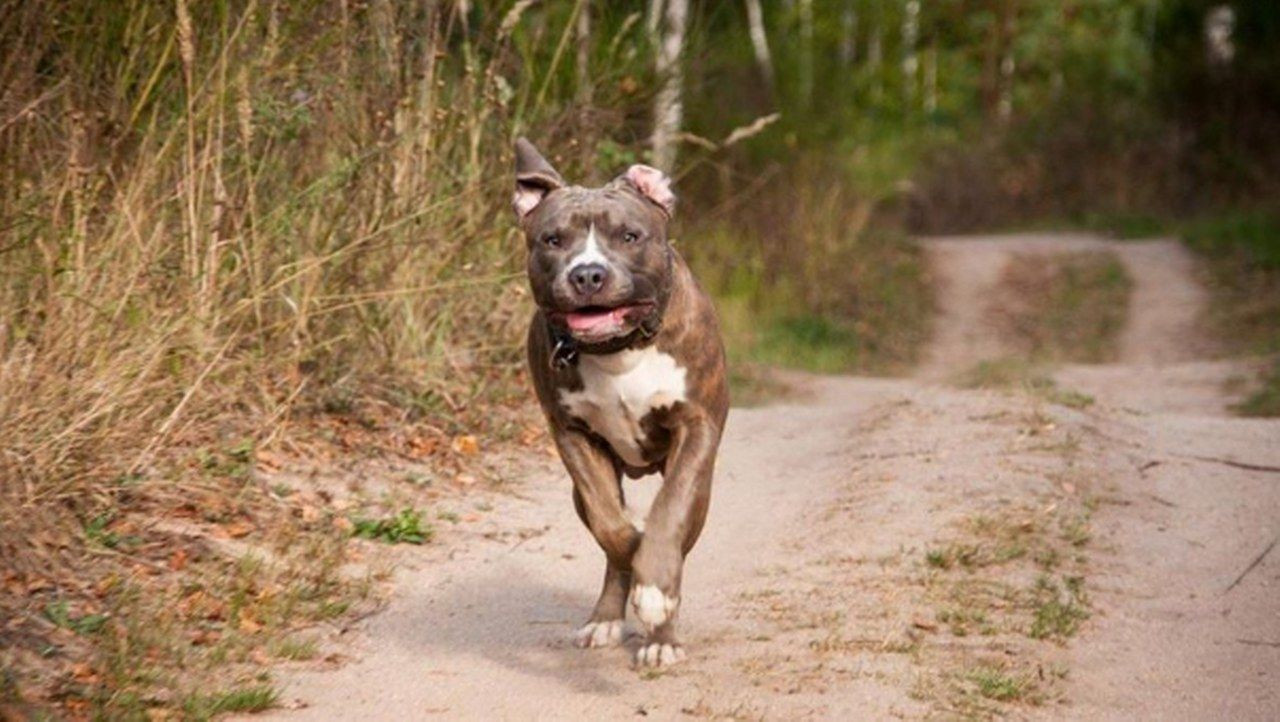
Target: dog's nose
x: 588, y: 278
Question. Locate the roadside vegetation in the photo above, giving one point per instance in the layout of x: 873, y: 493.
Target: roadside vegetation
x: 1062, y: 308
x: 1242, y: 256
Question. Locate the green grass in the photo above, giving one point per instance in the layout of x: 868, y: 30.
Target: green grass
x: 406, y: 527
x: 1069, y: 307
x: 1265, y: 400
x: 801, y: 281
x: 83, y: 625
x: 1015, y: 372
x: 1242, y: 254
x: 999, y: 685
x: 253, y: 698
x: 1057, y: 610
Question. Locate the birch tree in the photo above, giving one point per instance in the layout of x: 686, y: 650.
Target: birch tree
x: 760, y: 41
x: 910, y: 58
x: 806, y: 53
x: 668, y: 105
x: 848, y: 34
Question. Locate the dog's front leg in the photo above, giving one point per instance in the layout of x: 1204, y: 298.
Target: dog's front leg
x: 597, y: 497
x: 674, y: 523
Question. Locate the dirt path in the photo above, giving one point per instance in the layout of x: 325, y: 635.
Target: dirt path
x: 810, y: 594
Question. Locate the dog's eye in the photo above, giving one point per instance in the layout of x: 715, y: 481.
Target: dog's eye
x: 552, y: 240
x: 630, y: 237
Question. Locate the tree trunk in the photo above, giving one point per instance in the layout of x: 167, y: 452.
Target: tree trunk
x: 931, y: 79
x: 806, y: 53
x: 668, y: 107
x: 584, y: 54
x: 760, y: 41
x: 910, y: 58
x: 1008, y: 64
x: 875, y: 51
x: 848, y: 34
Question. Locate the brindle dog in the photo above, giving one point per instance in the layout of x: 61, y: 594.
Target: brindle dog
x: 627, y: 361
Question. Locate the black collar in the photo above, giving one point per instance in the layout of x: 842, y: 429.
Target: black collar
x: 565, y: 350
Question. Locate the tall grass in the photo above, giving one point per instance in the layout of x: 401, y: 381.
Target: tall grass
x: 217, y: 206
x: 215, y: 216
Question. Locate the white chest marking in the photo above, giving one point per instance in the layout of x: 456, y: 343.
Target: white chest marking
x: 620, y: 389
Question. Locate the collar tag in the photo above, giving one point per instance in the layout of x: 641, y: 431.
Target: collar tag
x: 563, y: 354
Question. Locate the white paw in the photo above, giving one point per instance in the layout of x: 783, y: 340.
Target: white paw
x: 607, y: 633
x: 651, y: 606
x: 659, y: 655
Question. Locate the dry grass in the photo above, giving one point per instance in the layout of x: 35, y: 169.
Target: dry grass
x: 218, y: 221
x: 1068, y: 307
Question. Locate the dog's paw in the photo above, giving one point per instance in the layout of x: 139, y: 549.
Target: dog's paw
x: 652, y: 607
x: 605, y: 633
x: 654, y: 655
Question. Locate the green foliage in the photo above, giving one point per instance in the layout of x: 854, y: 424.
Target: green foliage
x: 1251, y: 237
x: 999, y: 685
x: 83, y: 625
x: 1242, y: 252
x: 255, y: 698
x: 406, y: 527
x: 1265, y: 400
x: 1058, y: 610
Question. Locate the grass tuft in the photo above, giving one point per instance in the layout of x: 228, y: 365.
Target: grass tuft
x: 255, y: 698
x: 1058, y: 611
x: 1001, y: 686
x: 406, y: 527
x: 1068, y: 307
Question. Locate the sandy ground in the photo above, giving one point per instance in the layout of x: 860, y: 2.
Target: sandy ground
x: 808, y: 595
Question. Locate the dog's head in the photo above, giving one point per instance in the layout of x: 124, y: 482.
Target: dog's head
x: 599, y: 261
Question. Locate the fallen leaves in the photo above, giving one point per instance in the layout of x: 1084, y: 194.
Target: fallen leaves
x: 466, y: 445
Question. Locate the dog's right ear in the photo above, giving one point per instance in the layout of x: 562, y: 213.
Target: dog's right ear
x: 535, y: 178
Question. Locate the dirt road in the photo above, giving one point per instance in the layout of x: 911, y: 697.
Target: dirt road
x: 824, y: 585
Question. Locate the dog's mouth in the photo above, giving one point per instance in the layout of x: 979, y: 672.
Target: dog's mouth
x: 597, y: 323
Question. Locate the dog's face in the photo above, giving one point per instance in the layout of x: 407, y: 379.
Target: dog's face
x: 599, y: 261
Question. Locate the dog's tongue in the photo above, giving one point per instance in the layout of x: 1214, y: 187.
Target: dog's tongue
x: 595, y: 322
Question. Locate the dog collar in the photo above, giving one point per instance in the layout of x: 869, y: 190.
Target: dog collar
x: 565, y: 350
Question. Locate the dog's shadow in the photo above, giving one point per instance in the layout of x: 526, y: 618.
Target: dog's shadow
x: 517, y: 621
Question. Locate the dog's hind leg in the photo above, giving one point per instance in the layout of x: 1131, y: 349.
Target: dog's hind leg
x: 674, y: 523
x: 597, y: 497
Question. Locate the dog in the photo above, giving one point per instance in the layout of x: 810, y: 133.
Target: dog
x: 626, y: 358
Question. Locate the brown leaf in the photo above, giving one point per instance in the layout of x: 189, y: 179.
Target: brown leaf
x: 82, y: 672
x: 924, y: 624
x: 178, y: 560
x: 269, y: 460
x: 466, y: 445
x: 249, y: 625
x: 239, y: 528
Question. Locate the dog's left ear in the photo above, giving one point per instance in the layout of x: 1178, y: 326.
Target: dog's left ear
x: 652, y: 184
x: 535, y: 178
